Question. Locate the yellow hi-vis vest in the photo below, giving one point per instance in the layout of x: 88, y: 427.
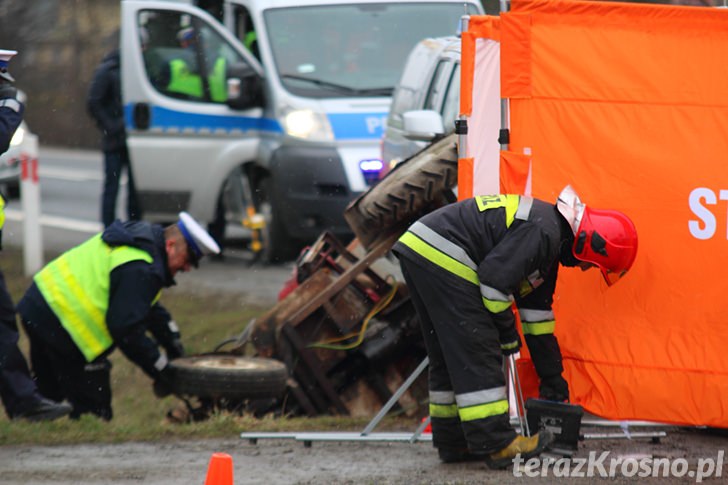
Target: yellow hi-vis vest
x: 183, y: 81
x: 76, y: 287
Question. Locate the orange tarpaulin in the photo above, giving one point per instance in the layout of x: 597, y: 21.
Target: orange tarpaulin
x: 628, y: 103
x: 480, y: 45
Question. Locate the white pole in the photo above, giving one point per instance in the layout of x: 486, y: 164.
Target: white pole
x: 30, y: 204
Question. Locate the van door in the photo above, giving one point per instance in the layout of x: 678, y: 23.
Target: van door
x: 183, y: 139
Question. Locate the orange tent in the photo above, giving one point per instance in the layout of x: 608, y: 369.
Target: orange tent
x: 628, y: 104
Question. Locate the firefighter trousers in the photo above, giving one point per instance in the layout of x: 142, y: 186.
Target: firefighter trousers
x: 468, y: 402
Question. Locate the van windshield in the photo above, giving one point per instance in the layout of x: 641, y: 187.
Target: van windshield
x: 353, y: 50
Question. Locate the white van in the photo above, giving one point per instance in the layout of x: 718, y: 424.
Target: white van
x: 426, y: 100
x: 299, y: 120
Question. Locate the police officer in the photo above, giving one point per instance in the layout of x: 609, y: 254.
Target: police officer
x: 465, y: 264
x: 18, y: 391
x: 103, y: 294
x: 183, y: 74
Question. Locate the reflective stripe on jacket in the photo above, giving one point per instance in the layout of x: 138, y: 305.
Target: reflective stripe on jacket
x: 508, y: 245
x: 451, y: 256
x: 76, y: 287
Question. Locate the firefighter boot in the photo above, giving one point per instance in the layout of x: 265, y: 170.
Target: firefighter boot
x: 526, y: 447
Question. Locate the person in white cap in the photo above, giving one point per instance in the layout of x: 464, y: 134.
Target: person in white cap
x: 104, y: 294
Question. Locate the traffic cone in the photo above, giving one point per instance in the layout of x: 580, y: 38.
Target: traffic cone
x: 220, y: 470
x: 428, y: 428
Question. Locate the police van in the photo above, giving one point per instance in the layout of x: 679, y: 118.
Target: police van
x: 270, y: 107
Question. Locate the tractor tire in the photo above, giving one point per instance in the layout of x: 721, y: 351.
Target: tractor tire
x: 228, y: 376
x: 415, y: 186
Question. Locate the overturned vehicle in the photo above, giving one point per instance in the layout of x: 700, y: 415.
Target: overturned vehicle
x: 345, y: 336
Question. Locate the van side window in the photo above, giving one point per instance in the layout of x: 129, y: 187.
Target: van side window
x: 451, y: 106
x: 433, y: 99
x: 184, y: 57
x: 244, y: 29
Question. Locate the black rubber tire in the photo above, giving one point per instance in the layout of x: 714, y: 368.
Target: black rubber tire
x: 401, y: 197
x: 229, y: 376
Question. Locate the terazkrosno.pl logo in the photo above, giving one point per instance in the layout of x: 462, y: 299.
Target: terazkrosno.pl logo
x: 605, y: 466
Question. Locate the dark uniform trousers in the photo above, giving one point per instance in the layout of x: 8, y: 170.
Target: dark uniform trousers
x: 17, y: 389
x: 464, y: 351
x: 67, y: 375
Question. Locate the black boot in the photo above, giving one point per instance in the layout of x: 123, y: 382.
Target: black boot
x: 43, y: 410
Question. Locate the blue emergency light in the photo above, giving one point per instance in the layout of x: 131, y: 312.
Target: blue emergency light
x: 371, y: 169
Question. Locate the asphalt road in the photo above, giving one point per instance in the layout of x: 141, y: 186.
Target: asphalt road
x: 681, y: 457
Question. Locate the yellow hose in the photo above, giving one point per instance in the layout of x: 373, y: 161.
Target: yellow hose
x: 381, y: 304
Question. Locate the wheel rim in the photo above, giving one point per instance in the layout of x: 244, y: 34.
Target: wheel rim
x: 232, y: 363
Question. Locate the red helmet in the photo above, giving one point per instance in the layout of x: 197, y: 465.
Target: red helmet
x: 608, y: 239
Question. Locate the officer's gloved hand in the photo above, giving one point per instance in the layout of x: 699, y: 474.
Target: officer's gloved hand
x: 163, y: 384
x: 554, y: 388
x: 510, y: 342
x: 175, y: 349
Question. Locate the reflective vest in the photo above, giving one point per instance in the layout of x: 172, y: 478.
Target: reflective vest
x: 76, y: 287
x: 184, y: 81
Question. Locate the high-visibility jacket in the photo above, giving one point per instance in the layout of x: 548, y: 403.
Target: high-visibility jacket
x: 507, y: 245
x: 76, y: 287
x: 184, y: 81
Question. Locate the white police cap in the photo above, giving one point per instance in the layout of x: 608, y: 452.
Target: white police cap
x: 5, y: 56
x: 198, y: 240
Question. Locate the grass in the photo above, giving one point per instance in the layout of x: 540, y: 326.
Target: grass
x: 205, y: 321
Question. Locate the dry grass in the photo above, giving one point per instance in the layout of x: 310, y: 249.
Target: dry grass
x: 205, y: 321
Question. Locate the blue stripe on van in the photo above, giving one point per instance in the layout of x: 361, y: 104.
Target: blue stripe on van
x: 168, y: 119
x: 357, y: 125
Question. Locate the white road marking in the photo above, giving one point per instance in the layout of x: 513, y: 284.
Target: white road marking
x: 72, y: 175
x: 58, y: 222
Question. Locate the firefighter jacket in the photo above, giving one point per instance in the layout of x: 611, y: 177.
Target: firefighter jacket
x: 508, y: 245
x: 104, y: 294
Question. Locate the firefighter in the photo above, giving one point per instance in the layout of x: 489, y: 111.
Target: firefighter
x: 102, y: 294
x: 18, y: 391
x: 465, y: 264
